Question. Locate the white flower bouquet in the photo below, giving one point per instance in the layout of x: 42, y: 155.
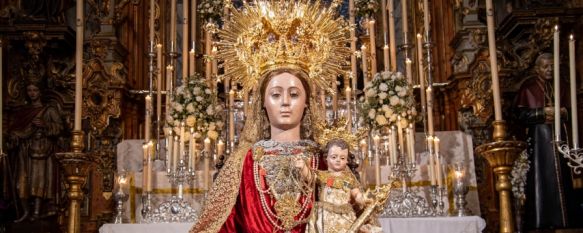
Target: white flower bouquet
x: 211, y: 9
x: 389, y: 98
x: 518, y: 175
x: 194, y: 104
x: 366, y: 8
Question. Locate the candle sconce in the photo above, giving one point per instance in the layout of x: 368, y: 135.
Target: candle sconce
x: 574, y: 155
x: 120, y: 197
x: 460, y: 190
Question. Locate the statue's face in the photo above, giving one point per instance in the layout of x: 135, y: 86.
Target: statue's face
x: 545, y: 69
x: 337, y: 158
x: 285, y: 101
x: 33, y: 92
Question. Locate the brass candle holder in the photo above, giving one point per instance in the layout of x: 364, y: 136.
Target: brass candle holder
x: 501, y: 155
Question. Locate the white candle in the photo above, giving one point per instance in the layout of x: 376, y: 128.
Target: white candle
x: 411, y: 140
x: 173, y: 25
x: 429, y: 93
x: 185, y: 39
x: 149, y: 166
x: 148, y: 120
x: 409, y: 70
x: 182, y: 141
x: 348, y: 93
x: 386, y: 57
x: 573, y: 80
x: 207, y: 149
x: 145, y: 166
x: 79, y: 65
x: 436, y: 145
x: 373, y: 47
x: 175, y: 154
x: 191, y: 146
x: 159, y: 84
x: 407, y: 148
x: 152, y: 9
x: 393, y: 143
x: 377, y: 168
x: 438, y: 170
x: 208, y: 64
x: 420, y: 69
x: 400, y: 134
x: 192, y: 60
x: 392, y: 40
x: 220, y: 147
x: 426, y: 16
x: 557, y: 85
x: 169, y: 149
x: 431, y: 160
x: 363, y: 147
x: 493, y: 61
x: 364, y: 56
x: 405, y: 19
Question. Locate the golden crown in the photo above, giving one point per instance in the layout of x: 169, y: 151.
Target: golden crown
x: 339, y: 131
x: 272, y: 34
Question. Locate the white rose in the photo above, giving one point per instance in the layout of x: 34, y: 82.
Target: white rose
x: 385, y: 107
x: 210, y: 110
x: 190, y: 107
x: 370, y: 92
x: 178, y: 107
x: 208, y: 91
x: 382, y: 95
x: 196, y: 91
x: 388, y: 113
x: 179, y: 90
x: 199, y: 99
x: 381, y: 120
x: 394, y: 100
x: 402, y: 93
x: 384, y: 87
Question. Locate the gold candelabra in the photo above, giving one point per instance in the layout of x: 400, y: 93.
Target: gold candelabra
x: 501, y: 155
x: 76, y: 166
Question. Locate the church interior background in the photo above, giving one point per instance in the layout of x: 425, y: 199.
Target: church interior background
x: 128, y: 55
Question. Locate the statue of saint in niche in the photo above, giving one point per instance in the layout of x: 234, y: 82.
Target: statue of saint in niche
x: 33, y: 133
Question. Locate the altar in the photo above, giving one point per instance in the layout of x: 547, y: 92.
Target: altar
x: 470, y: 224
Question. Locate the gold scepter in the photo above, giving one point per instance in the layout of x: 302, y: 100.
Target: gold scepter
x: 380, y: 195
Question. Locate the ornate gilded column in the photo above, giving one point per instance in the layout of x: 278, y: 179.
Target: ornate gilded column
x: 501, y: 154
x: 75, y: 166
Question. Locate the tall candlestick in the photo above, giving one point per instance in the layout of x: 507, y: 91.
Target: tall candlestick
x: 493, y: 61
x: 377, y: 167
x: 573, y: 80
x: 373, y: 47
x: 79, y: 65
x: 392, y: 40
x: 348, y: 93
x: 173, y: 25
x: 557, y: 85
x: 405, y: 20
x: 364, y: 55
x: 185, y: 63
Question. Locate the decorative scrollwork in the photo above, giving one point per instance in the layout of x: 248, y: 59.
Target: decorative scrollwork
x: 574, y: 155
x: 174, y: 210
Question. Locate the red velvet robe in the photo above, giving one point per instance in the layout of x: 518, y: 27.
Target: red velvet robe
x: 247, y: 215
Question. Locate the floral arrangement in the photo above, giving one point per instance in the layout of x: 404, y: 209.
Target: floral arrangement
x: 389, y: 97
x: 366, y: 8
x: 194, y: 104
x: 518, y: 175
x: 211, y: 9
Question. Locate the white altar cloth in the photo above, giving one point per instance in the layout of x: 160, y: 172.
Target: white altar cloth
x: 470, y: 224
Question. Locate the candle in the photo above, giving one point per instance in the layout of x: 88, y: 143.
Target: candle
x: 192, y: 60
x: 184, y: 40
x: 406, y: 147
x: 348, y: 93
x: 426, y: 16
x: 431, y: 160
x: 393, y: 145
x: 173, y: 25
x: 373, y: 47
x: 420, y: 70
x: 79, y: 65
x: 400, y: 134
x: 363, y: 51
x: 493, y: 61
x: 193, y: 23
x: 220, y: 147
x: 152, y: 9
x: 215, y: 67
x: 191, y: 146
x: 405, y: 19
x: 169, y: 147
x: 436, y: 145
x: 573, y: 80
x: 207, y: 149
x: 182, y: 141
x: 148, y: 120
x: 353, y: 62
x: 145, y: 166
x: 159, y: 86
x: 411, y: 140
x: 149, y: 166
x: 175, y: 154
x: 429, y: 93
x: 392, y: 40
x: 208, y: 51
x: 386, y: 57
x: 408, y: 70
x: 557, y: 85
x: 377, y: 169
x: 363, y: 147
x: 438, y: 170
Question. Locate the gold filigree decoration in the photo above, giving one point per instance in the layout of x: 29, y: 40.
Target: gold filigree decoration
x: 274, y: 34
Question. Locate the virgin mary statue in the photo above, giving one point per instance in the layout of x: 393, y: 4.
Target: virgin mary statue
x: 282, y: 52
